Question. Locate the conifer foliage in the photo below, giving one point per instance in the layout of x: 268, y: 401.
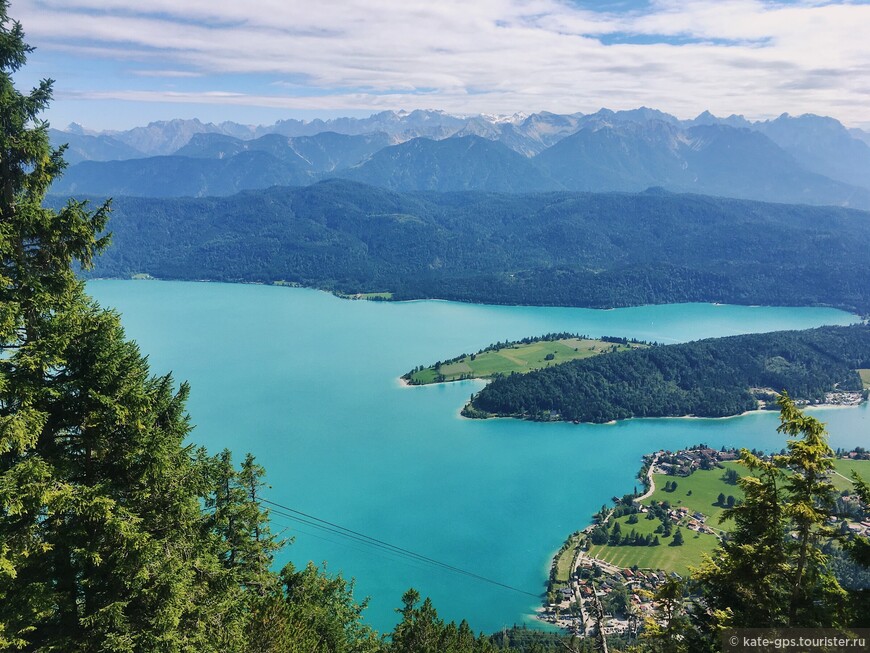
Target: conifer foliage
x: 115, y: 534
x: 103, y: 545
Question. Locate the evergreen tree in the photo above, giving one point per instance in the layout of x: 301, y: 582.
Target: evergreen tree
x: 859, y: 547
x: 760, y: 576
x: 666, y: 633
x: 319, y: 614
x: 241, y: 524
x: 103, y: 542
x: 421, y: 631
x: 815, y: 593
x: 115, y: 535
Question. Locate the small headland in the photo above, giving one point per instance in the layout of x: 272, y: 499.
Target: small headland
x: 517, y: 357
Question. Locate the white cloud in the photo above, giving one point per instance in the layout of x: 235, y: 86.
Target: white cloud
x: 738, y: 56
x: 165, y: 73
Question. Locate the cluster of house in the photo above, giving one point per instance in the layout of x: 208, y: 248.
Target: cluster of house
x: 696, y: 521
x: 844, y: 398
x: 686, y: 461
x: 587, y: 592
x: 855, y: 527
x: 579, y: 606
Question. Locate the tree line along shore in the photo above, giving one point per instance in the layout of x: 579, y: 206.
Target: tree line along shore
x: 517, y: 356
x: 569, y: 377
x: 715, y: 377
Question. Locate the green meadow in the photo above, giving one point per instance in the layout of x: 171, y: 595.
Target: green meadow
x: 865, y: 377
x: 663, y: 556
x: 700, y: 491
x: 375, y: 296
x: 842, y: 480
x: 514, y: 358
x: 564, y: 560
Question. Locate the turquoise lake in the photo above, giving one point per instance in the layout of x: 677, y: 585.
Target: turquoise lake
x: 309, y: 384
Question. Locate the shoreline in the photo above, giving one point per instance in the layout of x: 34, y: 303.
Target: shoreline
x: 691, y: 417
x: 852, y: 312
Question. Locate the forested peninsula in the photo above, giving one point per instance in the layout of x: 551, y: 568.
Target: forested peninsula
x: 517, y: 356
x: 597, y: 250
x: 715, y: 377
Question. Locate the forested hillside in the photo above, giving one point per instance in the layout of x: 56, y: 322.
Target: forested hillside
x: 569, y: 249
x: 708, y: 378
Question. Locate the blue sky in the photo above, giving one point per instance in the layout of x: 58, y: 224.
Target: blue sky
x: 119, y: 63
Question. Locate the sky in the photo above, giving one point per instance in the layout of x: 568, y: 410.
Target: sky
x: 123, y: 63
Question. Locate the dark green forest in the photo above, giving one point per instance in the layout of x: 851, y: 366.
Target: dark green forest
x: 569, y: 249
x: 706, y: 378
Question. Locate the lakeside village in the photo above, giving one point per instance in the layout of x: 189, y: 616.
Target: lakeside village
x: 589, y: 595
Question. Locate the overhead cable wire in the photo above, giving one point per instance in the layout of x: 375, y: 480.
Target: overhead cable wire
x: 394, y: 558
x: 348, y: 542
x: 311, y: 520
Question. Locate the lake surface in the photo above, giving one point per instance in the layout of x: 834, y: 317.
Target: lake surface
x: 308, y: 384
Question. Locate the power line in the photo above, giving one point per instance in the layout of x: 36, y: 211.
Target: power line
x: 311, y: 520
x: 349, y: 540
x: 393, y: 557
x: 386, y: 546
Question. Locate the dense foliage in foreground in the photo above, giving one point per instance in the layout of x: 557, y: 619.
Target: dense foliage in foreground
x: 570, y: 249
x: 707, y: 378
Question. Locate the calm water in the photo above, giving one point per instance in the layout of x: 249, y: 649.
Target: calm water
x: 308, y: 383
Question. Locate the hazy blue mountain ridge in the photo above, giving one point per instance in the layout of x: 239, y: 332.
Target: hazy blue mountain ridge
x: 806, y: 159
x: 85, y: 147
x: 821, y: 145
x: 322, y: 152
x: 452, y: 164
x: 176, y: 176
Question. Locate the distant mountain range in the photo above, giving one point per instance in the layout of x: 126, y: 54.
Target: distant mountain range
x: 805, y: 159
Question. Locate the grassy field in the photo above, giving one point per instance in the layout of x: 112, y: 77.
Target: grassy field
x: 516, y: 358
x: 699, y: 492
x: 865, y: 377
x: 366, y: 295
x: 563, y: 563
x: 669, y: 558
x: 844, y: 468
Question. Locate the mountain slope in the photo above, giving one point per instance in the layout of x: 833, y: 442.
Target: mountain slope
x: 706, y: 378
x: 458, y: 163
x: 84, y: 147
x: 712, y: 159
x: 789, y: 160
x: 176, y: 176
x: 560, y: 248
x: 322, y: 152
x: 821, y: 145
